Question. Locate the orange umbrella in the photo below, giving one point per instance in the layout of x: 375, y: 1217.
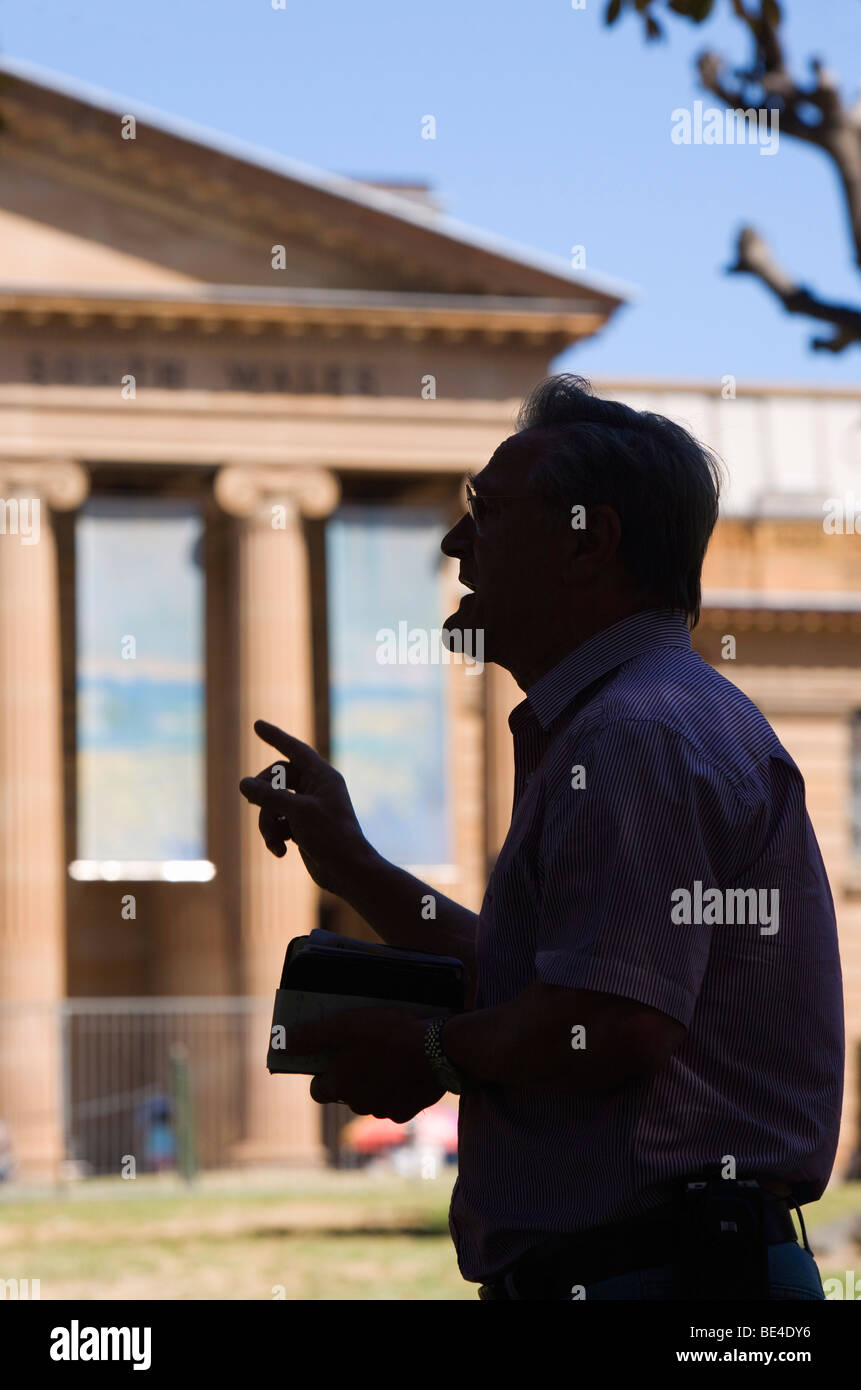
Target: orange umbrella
x: 366, y: 1134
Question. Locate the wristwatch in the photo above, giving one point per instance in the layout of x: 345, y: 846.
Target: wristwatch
x: 453, y: 1078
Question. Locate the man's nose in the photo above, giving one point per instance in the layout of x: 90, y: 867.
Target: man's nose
x: 458, y: 541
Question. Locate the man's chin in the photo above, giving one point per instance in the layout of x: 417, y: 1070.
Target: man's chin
x: 463, y: 630
x: 463, y: 618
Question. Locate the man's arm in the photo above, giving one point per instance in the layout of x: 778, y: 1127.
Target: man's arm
x: 380, y: 1066
x: 303, y: 798
x: 553, y: 1038
x: 398, y: 906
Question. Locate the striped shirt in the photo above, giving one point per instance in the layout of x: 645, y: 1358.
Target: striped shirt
x: 647, y: 789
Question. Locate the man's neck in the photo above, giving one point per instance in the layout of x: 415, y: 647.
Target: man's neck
x: 532, y: 665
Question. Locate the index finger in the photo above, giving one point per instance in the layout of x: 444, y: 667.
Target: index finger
x: 294, y: 748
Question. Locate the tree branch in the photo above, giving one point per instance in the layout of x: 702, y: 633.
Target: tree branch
x: 766, y: 84
x: 814, y: 113
x: 754, y: 258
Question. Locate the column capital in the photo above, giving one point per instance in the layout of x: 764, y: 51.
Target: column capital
x: 246, y: 491
x: 62, y: 483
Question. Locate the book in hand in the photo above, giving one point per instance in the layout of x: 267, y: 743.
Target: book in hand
x: 325, y: 974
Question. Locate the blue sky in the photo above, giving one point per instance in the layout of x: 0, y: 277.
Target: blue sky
x: 551, y: 130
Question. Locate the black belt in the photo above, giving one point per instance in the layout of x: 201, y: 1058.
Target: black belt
x: 661, y: 1236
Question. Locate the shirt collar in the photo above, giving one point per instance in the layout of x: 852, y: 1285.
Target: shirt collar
x: 600, y: 653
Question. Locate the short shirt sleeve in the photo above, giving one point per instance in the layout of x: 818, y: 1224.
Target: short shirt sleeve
x: 651, y: 818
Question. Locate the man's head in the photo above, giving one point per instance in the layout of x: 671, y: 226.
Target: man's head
x: 590, y: 512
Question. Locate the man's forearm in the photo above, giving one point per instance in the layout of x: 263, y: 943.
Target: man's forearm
x: 550, y: 1038
x: 406, y: 912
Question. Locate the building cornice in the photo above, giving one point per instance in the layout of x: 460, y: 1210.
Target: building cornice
x: 619, y: 386
x: 332, y: 313
x: 784, y: 600
x: 746, y: 618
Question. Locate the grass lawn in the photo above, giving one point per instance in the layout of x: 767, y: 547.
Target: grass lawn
x: 317, y: 1235
x: 326, y: 1235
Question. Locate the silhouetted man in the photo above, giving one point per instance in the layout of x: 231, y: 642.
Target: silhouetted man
x: 656, y: 991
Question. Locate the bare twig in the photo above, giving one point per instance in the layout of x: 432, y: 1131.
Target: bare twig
x: 754, y: 258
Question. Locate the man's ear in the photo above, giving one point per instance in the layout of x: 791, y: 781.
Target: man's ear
x: 576, y: 546
x: 595, y: 537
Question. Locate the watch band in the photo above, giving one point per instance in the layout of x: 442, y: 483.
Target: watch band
x: 453, y: 1078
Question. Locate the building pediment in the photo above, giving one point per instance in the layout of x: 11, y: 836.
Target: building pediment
x: 81, y: 205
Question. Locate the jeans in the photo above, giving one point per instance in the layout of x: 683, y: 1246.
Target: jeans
x: 793, y: 1274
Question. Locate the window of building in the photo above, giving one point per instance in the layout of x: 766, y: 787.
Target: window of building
x: 141, y: 776
x: 387, y: 676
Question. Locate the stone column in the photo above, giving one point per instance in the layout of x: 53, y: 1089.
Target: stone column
x: 279, y: 900
x: 32, y: 850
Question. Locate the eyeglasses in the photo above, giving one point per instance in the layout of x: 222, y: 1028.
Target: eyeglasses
x: 481, y: 506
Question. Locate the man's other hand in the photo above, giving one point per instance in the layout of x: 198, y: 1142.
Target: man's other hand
x: 379, y: 1067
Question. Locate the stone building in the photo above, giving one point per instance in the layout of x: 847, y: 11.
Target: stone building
x: 237, y: 402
